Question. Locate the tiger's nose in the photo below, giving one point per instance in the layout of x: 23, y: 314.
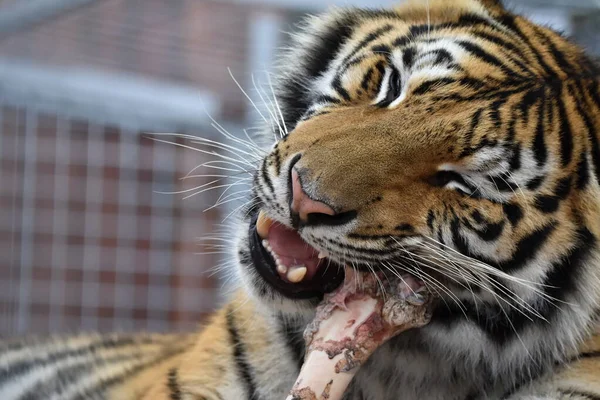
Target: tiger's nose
x: 302, y: 204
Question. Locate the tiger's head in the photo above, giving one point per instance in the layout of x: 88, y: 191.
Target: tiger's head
x: 454, y: 141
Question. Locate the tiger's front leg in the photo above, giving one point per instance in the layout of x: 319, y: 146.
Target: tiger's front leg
x: 240, y: 353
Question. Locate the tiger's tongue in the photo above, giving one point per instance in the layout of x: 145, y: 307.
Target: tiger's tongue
x: 292, y: 252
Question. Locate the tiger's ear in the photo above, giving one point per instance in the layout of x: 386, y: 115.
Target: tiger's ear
x: 495, y: 6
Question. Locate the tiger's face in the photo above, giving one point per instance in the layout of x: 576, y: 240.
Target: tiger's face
x: 455, y: 142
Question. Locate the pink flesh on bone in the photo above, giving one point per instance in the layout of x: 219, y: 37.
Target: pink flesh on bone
x: 349, y: 325
x: 293, y: 250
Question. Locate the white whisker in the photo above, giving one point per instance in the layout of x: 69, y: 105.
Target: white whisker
x: 277, y: 103
x: 247, y: 96
x: 270, y: 108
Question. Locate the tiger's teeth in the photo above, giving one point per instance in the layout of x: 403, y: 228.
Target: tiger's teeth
x: 282, y: 269
x: 323, y: 254
x: 263, y: 223
x: 296, y: 273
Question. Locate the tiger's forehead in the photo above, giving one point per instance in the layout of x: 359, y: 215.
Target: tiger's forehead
x: 381, y: 51
x: 417, y: 45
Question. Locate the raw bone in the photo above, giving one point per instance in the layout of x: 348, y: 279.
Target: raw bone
x: 350, y: 324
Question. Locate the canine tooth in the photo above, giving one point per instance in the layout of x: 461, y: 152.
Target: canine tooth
x: 323, y: 254
x: 282, y: 269
x: 265, y: 244
x: 263, y: 223
x: 296, y: 273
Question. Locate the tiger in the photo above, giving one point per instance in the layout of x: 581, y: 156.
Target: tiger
x: 455, y: 141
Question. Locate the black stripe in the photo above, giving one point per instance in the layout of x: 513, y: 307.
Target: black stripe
x: 592, y: 90
x: 490, y: 93
x: 502, y: 324
x: 293, y: 94
x: 565, y: 134
x: 408, y: 57
x: 563, y: 188
x: 468, y: 137
x: 547, y: 204
x: 370, y: 38
x: 503, y: 183
x: 380, y: 66
x: 490, y: 231
x: 513, y: 212
x: 173, y: 385
x: 339, y: 88
x: 23, y: 366
x: 294, y: 101
x: 364, y: 251
x: 526, y: 249
x: 509, y: 22
x: 326, y: 99
x: 550, y: 113
x: 442, y: 56
x: 483, y: 55
x: 99, y: 388
x: 472, y: 20
x: 105, y: 384
x: 583, y: 173
x: 328, y: 44
x: 276, y: 156
x: 351, y: 63
x: 430, y: 220
x: 563, y: 277
x: 579, y: 393
x: 382, y: 49
x: 292, y: 335
x: 539, y: 142
x: 530, y: 98
x: 558, y: 56
x: 591, y: 354
x: 592, y: 135
x: 507, y: 46
x: 405, y: 227
x: 466, y: 20
x: 437, y: 83
x: 535, y: 183
x: 515, y: 156
x: 390, y: 240
x: 366, y: 80
x: 265, y: 175
x: 71, y: 375
x: 239, y: 354
x: 477, y: 217
x: 581, y: 356
x: 494, y: 112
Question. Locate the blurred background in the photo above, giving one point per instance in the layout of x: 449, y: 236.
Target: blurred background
x: 92, y: 233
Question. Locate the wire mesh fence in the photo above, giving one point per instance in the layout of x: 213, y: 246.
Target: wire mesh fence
x: 86, y: 242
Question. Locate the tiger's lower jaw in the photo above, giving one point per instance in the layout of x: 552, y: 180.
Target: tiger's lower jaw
x: 298, y: 274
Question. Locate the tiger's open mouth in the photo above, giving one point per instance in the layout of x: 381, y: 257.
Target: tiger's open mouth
x: 288, y: 263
